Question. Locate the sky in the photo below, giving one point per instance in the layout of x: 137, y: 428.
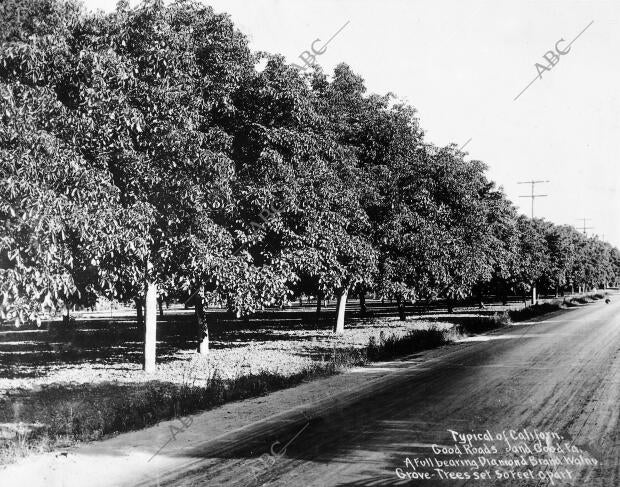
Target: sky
x: 461, y: 64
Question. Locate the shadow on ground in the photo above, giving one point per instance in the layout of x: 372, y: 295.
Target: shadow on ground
x: 112, y: 341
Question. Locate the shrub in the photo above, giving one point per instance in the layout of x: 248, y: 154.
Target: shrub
x: 481, y: 324
x: 413, y: 341
x: 534, y: 310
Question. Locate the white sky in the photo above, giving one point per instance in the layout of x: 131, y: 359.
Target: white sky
x: 461, y: 63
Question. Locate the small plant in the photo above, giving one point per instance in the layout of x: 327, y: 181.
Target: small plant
x: 25, y: 442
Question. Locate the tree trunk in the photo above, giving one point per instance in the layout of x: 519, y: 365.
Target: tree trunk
x: 533, y: 294
x: 202, y: 327
x: 504, y: 292
x: 450, y: 305
x: 139, y: 311
x: 139, y: 314
x: 340, y: 310
x: 363, y: 309
x: 160, y: 303
x: 66, y: 316
x: 400, y: 305
x: 150, y: 324
x: 319, y: 302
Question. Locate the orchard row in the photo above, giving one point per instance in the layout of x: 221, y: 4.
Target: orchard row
x: 149, y: 153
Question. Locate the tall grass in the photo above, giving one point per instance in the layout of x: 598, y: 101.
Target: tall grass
x: 126, y: 408
x: 414, y: 341
x: 556, y: 305
x: 482, y: 324
x: 535, y: 310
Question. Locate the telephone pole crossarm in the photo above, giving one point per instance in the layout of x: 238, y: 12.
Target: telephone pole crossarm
x: 584, y: 227
x: 533, y: 195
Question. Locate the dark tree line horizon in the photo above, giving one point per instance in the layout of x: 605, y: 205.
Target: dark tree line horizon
x: 149, y: 153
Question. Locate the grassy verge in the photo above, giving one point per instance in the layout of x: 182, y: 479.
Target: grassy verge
x: 556, y: 305
x: 72, y: 416
x: 535, y: 310
x: 396, y: 346
x: 66, y: 417
x: 481, y: 324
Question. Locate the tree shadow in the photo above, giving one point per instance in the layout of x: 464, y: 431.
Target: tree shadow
x: 114, y: 340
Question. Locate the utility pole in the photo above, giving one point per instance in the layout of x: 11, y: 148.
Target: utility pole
x: 533, y: 196
x: 584, y: 228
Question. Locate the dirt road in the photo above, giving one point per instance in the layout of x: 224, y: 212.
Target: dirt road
x: 548, y: 391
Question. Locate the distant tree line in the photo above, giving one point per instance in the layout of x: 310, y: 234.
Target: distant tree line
x: 148, y: 153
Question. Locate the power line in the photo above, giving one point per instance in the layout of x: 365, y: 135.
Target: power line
x: 533, y: 196
x: 461, y: 148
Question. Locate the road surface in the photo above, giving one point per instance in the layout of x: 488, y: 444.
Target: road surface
x: 548, y: 390
x: 560, y: 376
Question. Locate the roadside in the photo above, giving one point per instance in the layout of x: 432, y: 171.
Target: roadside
x: 253, y: 425
x: 41, y: 412
x: 135, y: 458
